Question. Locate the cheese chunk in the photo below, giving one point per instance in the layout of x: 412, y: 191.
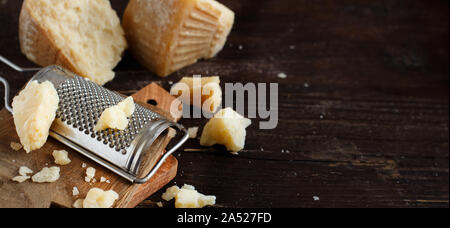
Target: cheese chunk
x: 188, y: 197
x: 24, y: 171
x: 168, y: 35
x: 90, y: 173
x: 83, y: 36
x: 46, y: 175
x: 192, y: 132
x: 207, y: 89
x: 61, y: 157
x: 116, y: 117
x: 21, y: 179
x: 227, y: 128
x: 97, y: 198
x: 34, y: 110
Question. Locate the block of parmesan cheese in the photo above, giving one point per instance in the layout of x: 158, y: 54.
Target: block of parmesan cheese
x: 207, y: 88
x: 83, y: 36
x: 34, y: 110
x: 227, y: 128
x: 168, y: 35
x: 116, y: 117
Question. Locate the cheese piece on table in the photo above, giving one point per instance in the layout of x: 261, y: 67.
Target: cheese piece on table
x: 206, y: 88
x: 46, y: 175
x: 61, y: 157
x: 24, y: 171
x: 90, y: 173
x: 168, y: 35
x: 227, y: 128
x: 188, y: 197
x: 97, y: 198
x: 34, y: 111
x: 16, y: 146
x: 116, y: 117
x: 21, y: 179
x: 83, y: 36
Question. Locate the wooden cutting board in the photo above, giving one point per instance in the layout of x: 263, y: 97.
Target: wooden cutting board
x: 35, y: 195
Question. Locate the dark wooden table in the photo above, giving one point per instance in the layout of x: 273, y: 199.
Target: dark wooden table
x: 363, y: 111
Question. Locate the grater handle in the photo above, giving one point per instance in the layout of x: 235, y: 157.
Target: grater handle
x: 5, y: 83
x: 166, y: 155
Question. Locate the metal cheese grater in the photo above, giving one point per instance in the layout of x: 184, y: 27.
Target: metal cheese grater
x: 81, y: 104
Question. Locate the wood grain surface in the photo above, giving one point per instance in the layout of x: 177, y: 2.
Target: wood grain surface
x: 363, y: 113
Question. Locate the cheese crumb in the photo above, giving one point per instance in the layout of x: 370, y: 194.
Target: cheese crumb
x: 97, y: 198
x: 83, y: 165
x: 116, y: 117
x: 188, y: 197
x: 47, y: 175
x: 21, y: 179
x: 316, y: 198
x: 24, y: 171
x: 282, y: 75
x: 227, y: 127
x: 34, y: 110
x: 159, y: 204
x: 193, y: 131
x: 16, y: 146
x: 90, y: 173
x: 102, y: 179
x: 75, y: 191
x: 61, y: 157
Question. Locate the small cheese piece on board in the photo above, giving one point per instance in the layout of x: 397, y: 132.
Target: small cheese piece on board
x: 46, y: 175
x: 97, y: 198
x: 227, y: 128
x: 116, y: 117
x: 34, y: 111
x: 83, y: 36
x: 206, y: 88
x: 61, y: 157
x: 168, y: 35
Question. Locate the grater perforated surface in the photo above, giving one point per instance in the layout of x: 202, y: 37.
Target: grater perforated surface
x: 81, y: 105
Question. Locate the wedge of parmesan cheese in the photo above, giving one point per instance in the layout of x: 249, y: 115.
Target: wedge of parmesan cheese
x: 168, y: 35
x: 227, y: 128
x: 34, y: 111
x: 188, y: 197
x: 116, y: 117
x: 46, y: 175
x: 61, y: 157
x: 97, y: 198
x: 83, y: 36
x: 207, y: 89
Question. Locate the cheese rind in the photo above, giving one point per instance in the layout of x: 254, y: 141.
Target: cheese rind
x: 97, y: 198
x: 83, y: 36
x: 206, y: 88
x: 34, y: 111
x: 166, y: 36
x: 227, y: 128
x: 116, y: 117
